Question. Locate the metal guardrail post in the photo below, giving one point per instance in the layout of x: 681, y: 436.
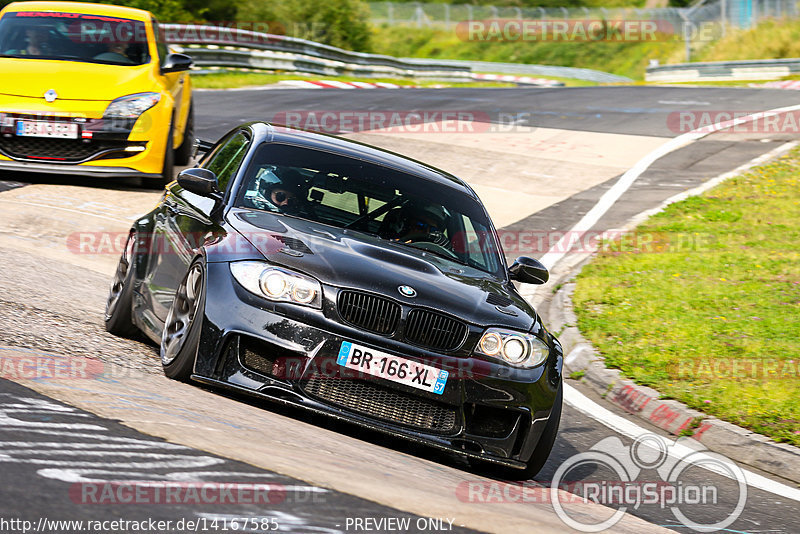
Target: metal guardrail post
x: 723, y: 17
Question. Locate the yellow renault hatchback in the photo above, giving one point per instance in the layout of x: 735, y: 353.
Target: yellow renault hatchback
x: 91, y: 89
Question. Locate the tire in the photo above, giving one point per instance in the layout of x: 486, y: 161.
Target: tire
x: 540, y: 453
x: 183, y: 154
x: 181, y: 336
x: 119, y: 304
x: 168, y: 170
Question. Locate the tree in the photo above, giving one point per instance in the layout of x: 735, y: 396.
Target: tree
x: 342, y: 23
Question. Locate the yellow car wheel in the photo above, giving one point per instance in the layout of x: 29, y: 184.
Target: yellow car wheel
x: 183, y: 154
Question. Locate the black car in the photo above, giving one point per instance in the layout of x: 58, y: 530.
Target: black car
x: 331, y: 275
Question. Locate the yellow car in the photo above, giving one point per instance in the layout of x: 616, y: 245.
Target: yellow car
x: 91, y: 89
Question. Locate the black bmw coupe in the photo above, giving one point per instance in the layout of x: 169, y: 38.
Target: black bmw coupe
x: 331, y: 275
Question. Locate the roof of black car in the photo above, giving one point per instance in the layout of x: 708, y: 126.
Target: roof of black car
x: 347, y: 147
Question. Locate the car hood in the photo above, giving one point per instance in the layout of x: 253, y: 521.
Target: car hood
x: 72, y: 80
x: 345, y: 258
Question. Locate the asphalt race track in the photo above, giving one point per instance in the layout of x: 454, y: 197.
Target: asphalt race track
x: 562, y: 151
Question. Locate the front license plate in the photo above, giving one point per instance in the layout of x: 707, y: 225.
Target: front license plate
x: 377, y: 363
x: 61, y: 130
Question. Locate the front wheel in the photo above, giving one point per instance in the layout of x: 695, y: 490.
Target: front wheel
x: 181, y: 336
x: 540, y: 453
x: 183, y: 154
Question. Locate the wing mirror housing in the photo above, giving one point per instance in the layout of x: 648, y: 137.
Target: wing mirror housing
x: 201, y: 182
x: 528, y: 271
x: 176, y: 63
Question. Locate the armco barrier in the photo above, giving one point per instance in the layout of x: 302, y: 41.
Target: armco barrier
x: 534, y: 70
x: 212, y: 47
x: 757, y: 69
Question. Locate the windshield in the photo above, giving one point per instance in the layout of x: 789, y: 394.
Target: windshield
x: 73, y: 37
x: 346, y: 192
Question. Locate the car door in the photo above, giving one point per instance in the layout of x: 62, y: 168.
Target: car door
x: 188, y: 222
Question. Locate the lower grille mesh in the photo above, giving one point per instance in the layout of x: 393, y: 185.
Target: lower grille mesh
x: 375, y: 401
x: 66, y: 150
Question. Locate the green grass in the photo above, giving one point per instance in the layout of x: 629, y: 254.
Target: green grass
x: 704, y: 303
x: 626, y: 59
x: 577, y: 375
x: 770, y: 39
x: 232, y: 79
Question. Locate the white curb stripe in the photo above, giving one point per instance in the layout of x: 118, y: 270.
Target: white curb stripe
x: 335, y: 84
x: 571, y: 395
x: 623, y: 426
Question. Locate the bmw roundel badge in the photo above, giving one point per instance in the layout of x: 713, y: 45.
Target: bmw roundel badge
x: 407, y: 291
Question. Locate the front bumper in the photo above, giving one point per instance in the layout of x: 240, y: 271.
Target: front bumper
x: 74, y: 170
x: 133, y: 147
x: 287, y: 353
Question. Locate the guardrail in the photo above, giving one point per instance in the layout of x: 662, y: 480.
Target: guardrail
x: 220, y: 47
x: 213, y: 46
x: 757, y: 69
x: 536, y: 70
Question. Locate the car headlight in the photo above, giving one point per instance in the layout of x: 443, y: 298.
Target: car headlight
x: 131, y: 106
x: 515, y: 348
x: 277, y: 284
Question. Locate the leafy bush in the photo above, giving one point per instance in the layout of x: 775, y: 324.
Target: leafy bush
x: 342, y: 23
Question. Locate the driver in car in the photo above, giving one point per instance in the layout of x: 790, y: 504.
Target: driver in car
x: 286, y: 195
x: 36, y: 43
x: 423, y: 223
x: 116, y: 53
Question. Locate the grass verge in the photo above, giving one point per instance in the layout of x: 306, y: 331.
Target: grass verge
x: 231, y: 80
x: 703, y: 302
x: 623, y: 58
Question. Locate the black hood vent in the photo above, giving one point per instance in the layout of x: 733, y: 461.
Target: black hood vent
x: 498, y: 300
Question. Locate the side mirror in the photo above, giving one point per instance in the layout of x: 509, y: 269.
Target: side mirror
x: 176, y: 63
x: 200, y: 182
x: 526, y: 270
